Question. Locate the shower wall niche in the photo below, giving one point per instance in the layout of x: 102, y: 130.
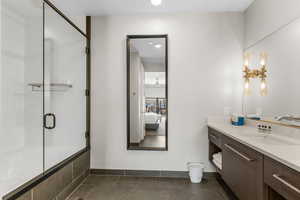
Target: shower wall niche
x: 42, y: 91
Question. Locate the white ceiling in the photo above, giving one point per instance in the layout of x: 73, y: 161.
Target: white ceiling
x: 146, y: 47
x: 114, y: 7
x: 152, y: 58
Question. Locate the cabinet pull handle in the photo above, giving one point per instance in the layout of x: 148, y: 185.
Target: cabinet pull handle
x: 289, y: 185
x: 238, y: 153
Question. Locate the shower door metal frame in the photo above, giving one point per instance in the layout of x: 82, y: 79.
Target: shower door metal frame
x: 46, y: 174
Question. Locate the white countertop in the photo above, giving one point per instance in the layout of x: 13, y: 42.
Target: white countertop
x: 287, y: 153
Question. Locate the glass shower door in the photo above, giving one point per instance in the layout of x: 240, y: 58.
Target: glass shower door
x: 64, y: 89
x: 21, y: 108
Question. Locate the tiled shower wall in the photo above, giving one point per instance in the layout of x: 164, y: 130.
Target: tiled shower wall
x: 61, y: 184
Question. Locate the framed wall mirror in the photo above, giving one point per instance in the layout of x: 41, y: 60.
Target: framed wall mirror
x: 147, y: 92
x: 280, y: 104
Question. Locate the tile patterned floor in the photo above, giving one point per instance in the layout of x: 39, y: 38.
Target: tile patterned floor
x: 133, y: 188
x: 154, y: 141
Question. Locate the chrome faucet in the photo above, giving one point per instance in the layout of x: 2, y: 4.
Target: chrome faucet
x: 288, y: 118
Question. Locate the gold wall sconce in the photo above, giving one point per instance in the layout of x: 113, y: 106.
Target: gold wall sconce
x: 255, y: 73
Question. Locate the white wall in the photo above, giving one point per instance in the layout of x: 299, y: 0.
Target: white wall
x: 205, y: 53
x: 78, y: 20
x: 282, y: 48
x: 265, y: 16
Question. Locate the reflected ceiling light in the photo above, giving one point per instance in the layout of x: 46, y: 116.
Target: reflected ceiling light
x: 150, y: 43
x: 156, y: 2
x: 158, y: 46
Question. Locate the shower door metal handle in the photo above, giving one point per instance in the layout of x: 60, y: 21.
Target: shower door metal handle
x: 48, y: 115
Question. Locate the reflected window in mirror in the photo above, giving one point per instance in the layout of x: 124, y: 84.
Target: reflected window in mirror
x: 147, y: 92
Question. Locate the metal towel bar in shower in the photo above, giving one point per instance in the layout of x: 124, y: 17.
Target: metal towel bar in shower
x: 50, y: 87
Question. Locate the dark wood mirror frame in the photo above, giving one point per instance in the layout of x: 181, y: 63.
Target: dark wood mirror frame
x: 130, y: 37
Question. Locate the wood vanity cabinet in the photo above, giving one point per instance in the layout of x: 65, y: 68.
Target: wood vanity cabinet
x: 283, y: 180
x: 252, y: 175
x: 242, y: 170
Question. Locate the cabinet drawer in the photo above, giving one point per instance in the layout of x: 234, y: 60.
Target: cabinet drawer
x: 215, y: 137
x: 241, y: 151
x: 242, y: 170
x: 282, y: 179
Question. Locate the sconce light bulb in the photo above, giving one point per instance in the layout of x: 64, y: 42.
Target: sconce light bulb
x: 263, y: 58
x: 246, y: 59
x: 263, y: 85
x: 247, y: 85
x: 263, y: 88
x: 247, y: 90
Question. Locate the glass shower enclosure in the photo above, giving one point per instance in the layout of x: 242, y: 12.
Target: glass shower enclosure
x: 42, y: 91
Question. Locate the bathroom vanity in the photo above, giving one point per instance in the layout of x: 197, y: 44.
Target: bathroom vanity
x: 256, y: 165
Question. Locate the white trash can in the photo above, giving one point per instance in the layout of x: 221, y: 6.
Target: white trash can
x: 196, y: 171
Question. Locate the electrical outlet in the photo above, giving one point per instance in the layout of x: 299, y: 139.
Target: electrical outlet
x: 265, y: 127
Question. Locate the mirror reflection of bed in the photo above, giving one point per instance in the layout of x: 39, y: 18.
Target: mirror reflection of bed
x: 148, y: 102
x: 155, y: 120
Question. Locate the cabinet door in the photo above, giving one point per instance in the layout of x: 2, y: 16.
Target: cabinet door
x: 242, y: 170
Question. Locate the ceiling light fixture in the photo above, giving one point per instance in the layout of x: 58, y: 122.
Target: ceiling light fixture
x: 156, y: 2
